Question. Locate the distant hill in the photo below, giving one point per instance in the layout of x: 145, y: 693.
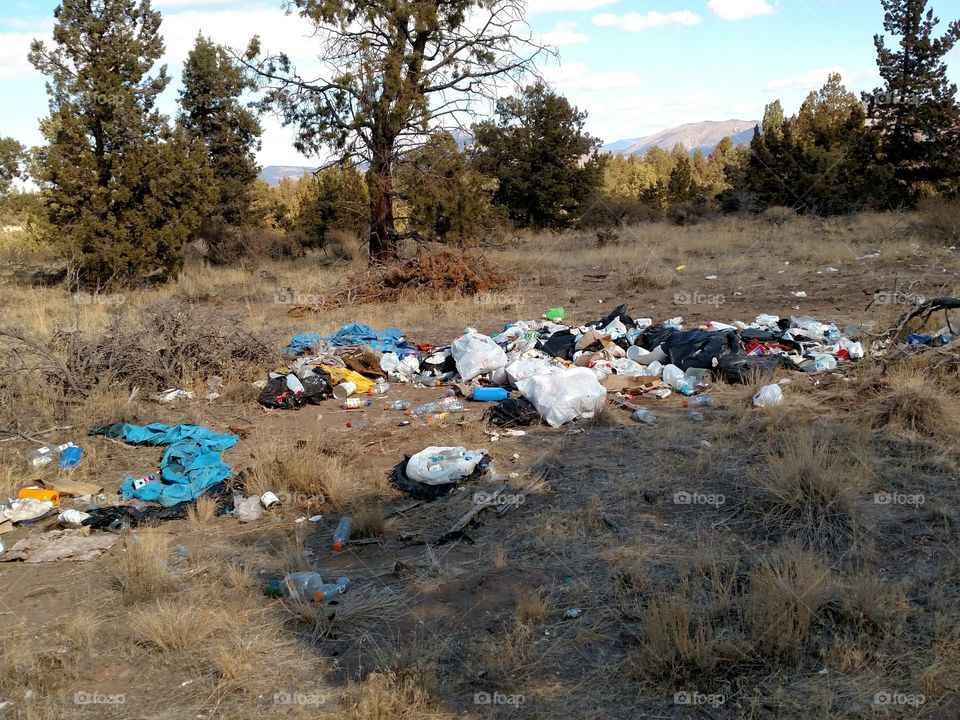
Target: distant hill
x: 702, y: 136
x: 273, y: 174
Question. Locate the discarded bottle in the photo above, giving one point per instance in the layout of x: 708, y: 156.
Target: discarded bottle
x: 436, y: 418
x: 490, y: 394
x: 451, y: 404
x: 398, y: 405
x: 70, y: 458
x: 699, y: 401
x: 355, y: 403
x: 424, y: 379
x: 145, y: 480
x: 696, y: 415
x: 45, y: 454
x: 307, y: 586
x: 648, y: 417
x: 341, y: 536
x: 358, y: 424
x: 381, y: 388
x: 684, y: 388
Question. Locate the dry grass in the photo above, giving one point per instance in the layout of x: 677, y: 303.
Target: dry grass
x: 202, y: 512
x: 912, y: 401
x: 385, y: 696
x: 809, y: 485
x: 175, y: 625
x: 144, y: 568
x: 783, y: 602
x: 304, y: 474
x: 532, y: 606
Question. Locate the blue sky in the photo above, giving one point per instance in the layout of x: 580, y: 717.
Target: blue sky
x: 635, y: 66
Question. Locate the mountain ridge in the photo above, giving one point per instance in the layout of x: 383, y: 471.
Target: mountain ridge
x: 702, y: 136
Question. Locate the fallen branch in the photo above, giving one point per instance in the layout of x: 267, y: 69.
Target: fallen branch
x: 456, y: 530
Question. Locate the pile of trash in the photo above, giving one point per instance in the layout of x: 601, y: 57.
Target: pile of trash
x: 550, y: 371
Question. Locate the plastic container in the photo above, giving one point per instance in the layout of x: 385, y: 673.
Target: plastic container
x: 698, y: 377
x: 355, y: 403
x: 145, y: 480
x: 344, y: 390
x: 398, y: 405
x: 381, y: 388
x: 698, y: 401
x: 489, y: 394
x: 341, y: 536
x: 41, y: 494
x: 447, y: 404
x: 642, y: 415
x: 823, y: 361
x: 46, y: 454
x: 308, y: 587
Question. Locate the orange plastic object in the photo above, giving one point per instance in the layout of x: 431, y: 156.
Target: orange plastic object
x: 41, y: 494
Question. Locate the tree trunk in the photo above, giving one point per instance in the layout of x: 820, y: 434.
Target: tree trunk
x: 383, y: 233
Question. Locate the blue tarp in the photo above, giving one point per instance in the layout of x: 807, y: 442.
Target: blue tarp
x: 350, y: 334
x: 190, y: 465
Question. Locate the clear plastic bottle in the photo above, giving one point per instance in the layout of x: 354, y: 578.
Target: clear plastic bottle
x: 46, y: 454
x: 425, y: 409
x: 398, y: 405
x: 341, y: 536
x: 436, y: 418
x: 451, y: 404
x: 699, y: 401
x: 308, y: 586
x: 381, y: 388
x: 648, y: 417
x: 355, y: 403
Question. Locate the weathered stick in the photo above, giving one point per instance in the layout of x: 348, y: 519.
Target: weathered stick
x: 456, y: 530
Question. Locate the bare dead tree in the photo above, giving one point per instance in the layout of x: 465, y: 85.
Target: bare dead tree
x: 390, y: 73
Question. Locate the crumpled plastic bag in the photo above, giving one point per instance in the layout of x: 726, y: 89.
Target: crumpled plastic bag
x: 564, y: 396
x: 476, y: 354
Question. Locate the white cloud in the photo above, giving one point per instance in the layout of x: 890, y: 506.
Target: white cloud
x: 193, y: 4
x: 564, y: 33
x: 810, y: 80
x: 545, y: 7
x: 635, y: 22
x: 574, y: 77
x: 13, y: 54
x: 739, y: 9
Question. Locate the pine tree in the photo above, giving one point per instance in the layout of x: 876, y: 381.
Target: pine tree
x: 211, y: 110
x: 547, y: 166
x: 11, y: 157
x: 123, y: 190
x: 916, y: 112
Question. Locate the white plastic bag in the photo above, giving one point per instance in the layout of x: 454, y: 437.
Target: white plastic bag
x: 477, y: 354
x: 673, y: 376
x: 562, y: 397
x: 768, y: 396
x: 437, y: 465
x: 528, y: 367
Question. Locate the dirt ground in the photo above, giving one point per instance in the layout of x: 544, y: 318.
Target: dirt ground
x: 787, y: 587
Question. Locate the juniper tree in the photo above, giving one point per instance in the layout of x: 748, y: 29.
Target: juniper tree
x: 123, y: 190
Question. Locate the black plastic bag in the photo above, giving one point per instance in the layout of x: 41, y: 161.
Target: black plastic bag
x: 513, y: 412
x: 745, y: 369
x: 701, y: 348
x: 424, y: 491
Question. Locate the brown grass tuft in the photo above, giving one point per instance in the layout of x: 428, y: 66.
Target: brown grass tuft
x: 144, y: 569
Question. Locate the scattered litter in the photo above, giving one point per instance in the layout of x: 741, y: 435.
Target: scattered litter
x: 57, y: 545
x: 72, y: 517
x: 247, y: 509
x: 799, y: 293
x: 341, y: 535
x: 25, y: 509
x: 768, y: 396
x: 308, y: 587
x: 168, y: 396
x: 711, y: 277
x: 315, y: 518
x: 572, y: 613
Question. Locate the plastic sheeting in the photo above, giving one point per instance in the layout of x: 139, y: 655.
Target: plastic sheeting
x: 191, y: 463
